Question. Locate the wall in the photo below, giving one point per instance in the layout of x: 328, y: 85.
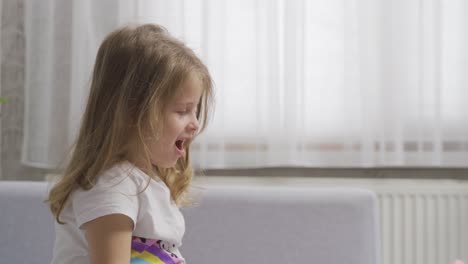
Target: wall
x: 12, y: 87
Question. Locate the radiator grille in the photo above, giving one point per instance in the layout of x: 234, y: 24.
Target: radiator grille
x: 423, y: 226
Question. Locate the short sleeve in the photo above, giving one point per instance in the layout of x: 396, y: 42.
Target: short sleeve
x: 114, y: 193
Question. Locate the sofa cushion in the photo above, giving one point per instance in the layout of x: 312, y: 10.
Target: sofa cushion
x: 283, y: 225
x: 230, y: 224
x: 26, y: 224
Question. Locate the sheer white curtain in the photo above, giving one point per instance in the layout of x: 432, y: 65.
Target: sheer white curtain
x: 299, y: 83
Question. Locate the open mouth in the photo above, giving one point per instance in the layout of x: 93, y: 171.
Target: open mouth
x: 179, y: 145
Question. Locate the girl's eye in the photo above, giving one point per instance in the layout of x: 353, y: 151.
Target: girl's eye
x: 187, y: 111
x: 183, y: 112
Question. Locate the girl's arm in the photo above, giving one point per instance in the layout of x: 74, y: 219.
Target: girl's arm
x: 109, y: 239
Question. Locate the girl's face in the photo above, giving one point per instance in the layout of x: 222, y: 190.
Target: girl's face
x: 180, y: 125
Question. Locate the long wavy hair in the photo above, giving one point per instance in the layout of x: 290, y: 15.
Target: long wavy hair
x: 138, y: 70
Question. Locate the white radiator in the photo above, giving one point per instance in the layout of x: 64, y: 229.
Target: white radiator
x: 427, y: 225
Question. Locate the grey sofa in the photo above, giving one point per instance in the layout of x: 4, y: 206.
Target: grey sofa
x: 239, y: 224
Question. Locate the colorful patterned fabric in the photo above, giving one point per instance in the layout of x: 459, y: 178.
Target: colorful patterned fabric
x: 149, y: 251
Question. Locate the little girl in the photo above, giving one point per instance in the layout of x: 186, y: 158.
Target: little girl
x: 118, y: 200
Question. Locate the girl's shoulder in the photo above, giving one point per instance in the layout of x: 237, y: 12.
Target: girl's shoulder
x: 123, y: 179
x: 128, y: 176
x: 120, y: 183
x: 115, y: 191
x: 123, y: 173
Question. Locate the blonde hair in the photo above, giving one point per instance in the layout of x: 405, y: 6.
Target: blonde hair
x: 137, y: 72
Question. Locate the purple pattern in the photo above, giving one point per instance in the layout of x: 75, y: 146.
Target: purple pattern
x: 152, y: 247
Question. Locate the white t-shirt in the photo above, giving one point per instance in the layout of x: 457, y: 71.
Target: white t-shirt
x: 158, y: 224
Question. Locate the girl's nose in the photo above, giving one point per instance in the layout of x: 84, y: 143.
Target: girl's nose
x: 194, y: 126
